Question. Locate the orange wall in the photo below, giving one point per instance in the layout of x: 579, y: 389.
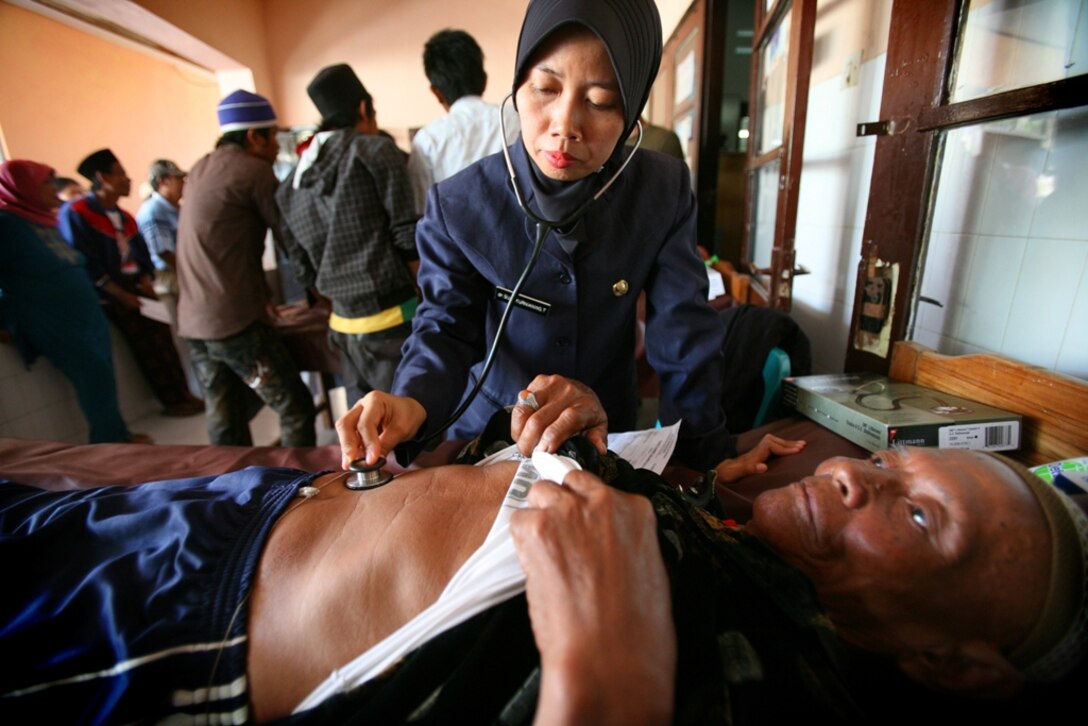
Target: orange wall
x: 64, y: 93
x: 54, y: 73
x: 236, y: 28
x: 383, y: 42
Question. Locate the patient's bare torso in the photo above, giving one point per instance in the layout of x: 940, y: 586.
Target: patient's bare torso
x: 345, y: 569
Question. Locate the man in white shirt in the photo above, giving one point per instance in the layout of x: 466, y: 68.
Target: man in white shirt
x: 470, y: 130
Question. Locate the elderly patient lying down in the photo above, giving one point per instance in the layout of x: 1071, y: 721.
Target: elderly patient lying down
x: 232, y: 598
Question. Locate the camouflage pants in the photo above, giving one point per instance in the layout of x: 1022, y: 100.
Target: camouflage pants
x: 240, y: 374
x: 368, y: 362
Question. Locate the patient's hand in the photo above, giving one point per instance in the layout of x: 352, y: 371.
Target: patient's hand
x: 599, y: 603
x: 566, y: 408
x: 754, y: 461
x: 376, y: 424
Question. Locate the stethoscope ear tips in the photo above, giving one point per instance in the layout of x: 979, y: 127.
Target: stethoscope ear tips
x: 367, y: 476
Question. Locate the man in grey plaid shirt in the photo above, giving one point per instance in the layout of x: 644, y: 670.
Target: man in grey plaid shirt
x: 349, y: 227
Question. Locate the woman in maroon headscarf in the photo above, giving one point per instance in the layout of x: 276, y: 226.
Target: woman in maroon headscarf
x: 47, y: 302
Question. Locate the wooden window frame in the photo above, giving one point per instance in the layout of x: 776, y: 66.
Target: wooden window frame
x: 779, y: 292
x: 914, y: 110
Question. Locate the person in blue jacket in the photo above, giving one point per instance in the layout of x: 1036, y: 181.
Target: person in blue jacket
x: 584, y: 71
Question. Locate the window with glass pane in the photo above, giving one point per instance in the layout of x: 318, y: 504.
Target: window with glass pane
x: 764, y: 210
x: 1008, y: 247
x: 772, y: 90
x: 1009, y: 44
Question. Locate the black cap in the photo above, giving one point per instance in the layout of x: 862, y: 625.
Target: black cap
x: 336, y: 90
x: 100, y: 161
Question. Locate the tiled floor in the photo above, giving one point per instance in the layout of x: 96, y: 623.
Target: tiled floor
x: 265, y: 428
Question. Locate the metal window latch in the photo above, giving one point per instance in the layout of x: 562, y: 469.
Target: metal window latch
x: 886, y: 127
x: 875, y: 128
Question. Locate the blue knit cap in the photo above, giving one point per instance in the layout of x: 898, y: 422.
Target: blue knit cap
x: 244, y: 110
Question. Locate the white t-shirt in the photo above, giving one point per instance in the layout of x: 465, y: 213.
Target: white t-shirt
x: 468, y: 133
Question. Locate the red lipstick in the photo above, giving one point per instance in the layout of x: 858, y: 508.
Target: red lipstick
x: 559, y: 159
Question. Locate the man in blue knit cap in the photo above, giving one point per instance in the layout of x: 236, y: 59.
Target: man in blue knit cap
x: 225, y: 308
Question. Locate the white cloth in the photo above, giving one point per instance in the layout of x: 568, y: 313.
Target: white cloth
x: 468, y: 133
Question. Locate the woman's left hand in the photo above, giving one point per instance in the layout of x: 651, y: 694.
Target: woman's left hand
x: 565, y: 408
x: 754, y: 460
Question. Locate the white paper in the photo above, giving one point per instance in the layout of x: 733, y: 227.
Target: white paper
x: 717, y: 283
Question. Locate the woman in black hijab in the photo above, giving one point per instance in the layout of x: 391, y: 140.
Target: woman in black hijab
x: 584, y: 72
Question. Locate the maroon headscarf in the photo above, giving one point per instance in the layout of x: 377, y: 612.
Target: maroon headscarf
x: 20, y: 191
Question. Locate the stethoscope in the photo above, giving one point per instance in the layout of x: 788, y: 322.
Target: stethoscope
x: 371, y: 476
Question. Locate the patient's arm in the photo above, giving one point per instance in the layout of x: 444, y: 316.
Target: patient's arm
x: 599, y: 603
x: 754, y: 461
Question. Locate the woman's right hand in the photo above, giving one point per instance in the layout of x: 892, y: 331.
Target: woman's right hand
x: 376, y: 424
x: 565, y: 407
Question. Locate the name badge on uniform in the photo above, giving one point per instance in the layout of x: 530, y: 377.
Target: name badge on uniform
x: 532, y: 304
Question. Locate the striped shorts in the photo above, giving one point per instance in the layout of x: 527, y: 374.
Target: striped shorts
x: 129, y: 604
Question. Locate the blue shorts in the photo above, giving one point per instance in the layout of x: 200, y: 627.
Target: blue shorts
x: 126, y: 604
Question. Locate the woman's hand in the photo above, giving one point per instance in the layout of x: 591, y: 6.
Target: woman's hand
x: 565, y: 408
x: 754, y: 461
x: 376, y: 424
x: 599, y: 602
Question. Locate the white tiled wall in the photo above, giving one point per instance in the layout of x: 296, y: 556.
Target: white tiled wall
x: 41, y: 404
x: 831, y: 209
x: 1008, y: 256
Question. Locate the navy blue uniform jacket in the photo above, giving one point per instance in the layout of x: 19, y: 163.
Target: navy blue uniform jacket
x: 474, y: 238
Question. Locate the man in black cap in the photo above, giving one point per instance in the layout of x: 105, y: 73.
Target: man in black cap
x: 121, y: 268
x: 349, y: 227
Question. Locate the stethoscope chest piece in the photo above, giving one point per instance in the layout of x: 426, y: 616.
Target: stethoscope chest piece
x: 367, y: 477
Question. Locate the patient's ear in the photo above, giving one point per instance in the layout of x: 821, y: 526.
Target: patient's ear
x: 973, y: 669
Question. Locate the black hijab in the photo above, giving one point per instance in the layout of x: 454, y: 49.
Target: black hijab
x: 631, y: 33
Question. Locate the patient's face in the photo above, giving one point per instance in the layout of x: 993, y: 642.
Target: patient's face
x: 914, y: 545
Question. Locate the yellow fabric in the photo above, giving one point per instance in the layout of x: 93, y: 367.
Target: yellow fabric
x: 388, y: 318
